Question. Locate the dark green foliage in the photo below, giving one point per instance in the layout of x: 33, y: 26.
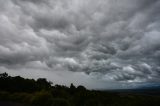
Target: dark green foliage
x: 41, y: 93
x: 19, y: 84
x: 42, y: 98
x: 3, y: 75
x: 42, y: 83
x: 60, y: 102
x: 81, y: 88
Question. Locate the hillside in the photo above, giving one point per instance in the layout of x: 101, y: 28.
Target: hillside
x: 17, y: 91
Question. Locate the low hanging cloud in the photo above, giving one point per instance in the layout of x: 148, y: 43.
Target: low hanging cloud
x: 106, y: 40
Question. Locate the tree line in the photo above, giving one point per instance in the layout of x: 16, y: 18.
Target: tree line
x: 41, y: 92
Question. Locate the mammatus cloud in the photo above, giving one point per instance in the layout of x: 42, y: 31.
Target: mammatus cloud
x: 91, y: 41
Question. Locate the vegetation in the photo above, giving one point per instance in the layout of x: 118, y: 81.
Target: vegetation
x: 41, y: 93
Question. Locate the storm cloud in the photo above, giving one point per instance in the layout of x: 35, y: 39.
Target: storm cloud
x: 82, y: 41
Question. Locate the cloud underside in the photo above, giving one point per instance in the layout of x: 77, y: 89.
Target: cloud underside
x: 108, y: 40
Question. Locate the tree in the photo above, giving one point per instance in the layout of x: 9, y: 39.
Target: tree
x: 72, y: 88
x: 81, y: 88
x: 4, y: 75
x: 43, y: 83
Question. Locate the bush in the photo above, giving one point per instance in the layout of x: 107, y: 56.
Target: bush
x: 60, y: 102
x: 4, y: 95
x: 21, y: 97
x: 42, y: 98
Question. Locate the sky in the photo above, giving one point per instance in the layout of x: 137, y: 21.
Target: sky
x: 101, y: 44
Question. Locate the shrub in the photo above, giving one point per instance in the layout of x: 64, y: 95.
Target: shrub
x: 42, y: 98
x: 60, y: 102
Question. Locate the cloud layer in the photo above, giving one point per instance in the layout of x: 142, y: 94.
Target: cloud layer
x: 106, y: 40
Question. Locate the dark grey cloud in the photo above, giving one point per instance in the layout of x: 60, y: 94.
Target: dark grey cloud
x: 106, y: 40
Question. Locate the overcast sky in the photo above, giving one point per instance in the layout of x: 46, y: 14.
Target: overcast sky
x: 101, y: 44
